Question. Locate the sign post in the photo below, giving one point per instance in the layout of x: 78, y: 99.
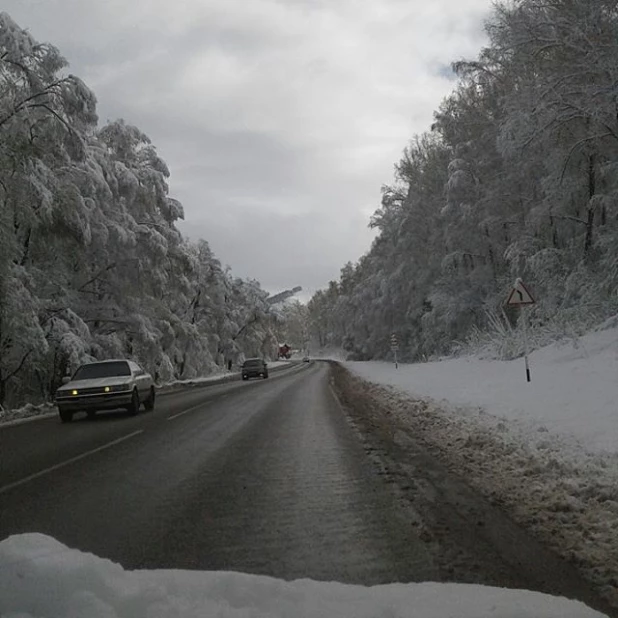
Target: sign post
x: 525, y: 321
x: 394, y: 348
x: 520, y: 297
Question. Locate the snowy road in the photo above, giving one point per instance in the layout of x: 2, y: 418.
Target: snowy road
x: 269, y: 477
x: 264, y: 477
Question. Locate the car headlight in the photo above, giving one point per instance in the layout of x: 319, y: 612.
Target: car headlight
x: 117, y: 388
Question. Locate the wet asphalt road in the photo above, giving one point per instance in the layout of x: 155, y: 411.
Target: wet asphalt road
x: 263, y: 477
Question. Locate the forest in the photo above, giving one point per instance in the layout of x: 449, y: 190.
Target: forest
x: 516, y: 177
x: 92, y: 265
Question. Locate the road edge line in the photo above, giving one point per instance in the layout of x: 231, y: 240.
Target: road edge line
x: 62, y: 464
x: 191, y: 409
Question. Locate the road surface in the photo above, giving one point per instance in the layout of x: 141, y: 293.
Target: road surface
x: 263, y: 477
x: 271, y: 477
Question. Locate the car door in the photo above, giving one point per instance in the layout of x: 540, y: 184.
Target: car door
x: 142, y: 381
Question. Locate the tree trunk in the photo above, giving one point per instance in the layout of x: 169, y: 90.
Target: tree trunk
x: 554, y: 230
x: 590, y: 217
x: 589, y: 228
x: 492, y: 258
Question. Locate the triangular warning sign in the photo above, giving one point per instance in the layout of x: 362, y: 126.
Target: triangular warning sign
x: 520, y: 295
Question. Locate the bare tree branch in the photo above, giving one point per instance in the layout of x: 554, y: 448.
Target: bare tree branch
x: 19, y: 367
x: 97, y: 276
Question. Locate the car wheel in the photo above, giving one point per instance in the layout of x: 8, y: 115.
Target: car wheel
x: 135, y: 403
x: 91, y: 413
x: 65, y: 415
x: 149, y: 404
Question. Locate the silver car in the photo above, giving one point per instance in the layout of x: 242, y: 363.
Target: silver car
x: 106, y: 385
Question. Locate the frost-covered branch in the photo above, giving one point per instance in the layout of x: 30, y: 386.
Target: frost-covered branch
x: 96, y: 277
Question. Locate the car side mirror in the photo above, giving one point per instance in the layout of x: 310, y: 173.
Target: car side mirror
x: 66, y: 379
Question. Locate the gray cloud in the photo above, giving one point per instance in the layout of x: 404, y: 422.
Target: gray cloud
x: 277, y: 249
x: 279, y: 120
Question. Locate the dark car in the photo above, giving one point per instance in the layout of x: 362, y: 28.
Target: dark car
x: 254, y: 368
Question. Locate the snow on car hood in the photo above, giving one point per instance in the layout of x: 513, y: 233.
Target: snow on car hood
x: 43, y: 578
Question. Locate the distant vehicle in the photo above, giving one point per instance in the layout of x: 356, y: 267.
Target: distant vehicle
x: 285, y: 351
x: 106, y: 385
x: 254, y: 368
x: 306, y: 359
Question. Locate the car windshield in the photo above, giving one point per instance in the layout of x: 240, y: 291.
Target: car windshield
x: 408, y: 209
x: 102, y: 370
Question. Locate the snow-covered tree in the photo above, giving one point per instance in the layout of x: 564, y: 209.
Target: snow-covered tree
x: 91, y: 263
x: 517, y: 177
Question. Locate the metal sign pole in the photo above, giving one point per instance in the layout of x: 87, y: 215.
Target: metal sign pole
x: 525, y: 320
x: 520, y: 297
x: 394, y: 348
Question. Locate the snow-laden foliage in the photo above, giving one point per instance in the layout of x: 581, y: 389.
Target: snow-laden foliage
x: 91, y: 263
x: 293, y: 324
x: 518, y: 177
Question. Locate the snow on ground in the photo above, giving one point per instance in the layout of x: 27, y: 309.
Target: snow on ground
x: 224, y: 374
x: 26, y: 412
x: 212, y: 378
x: 546, y: 451
x: 574, y: 388
x: 335, y: 354
x: 41, y: 578
x: 30, y: 410
x: 218, y: 377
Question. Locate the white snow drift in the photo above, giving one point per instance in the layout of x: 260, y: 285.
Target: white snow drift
x: 41, y: 578
x: 545, y: 451
x: 574, y: 388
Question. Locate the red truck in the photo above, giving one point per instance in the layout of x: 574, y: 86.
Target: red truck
x: 285, y: 351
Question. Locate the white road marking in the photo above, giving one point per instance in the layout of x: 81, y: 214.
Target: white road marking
x: 224, y: 395
x: 62, y: 464
x: 199, y: 405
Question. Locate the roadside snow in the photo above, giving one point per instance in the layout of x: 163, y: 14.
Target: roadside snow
x: 574, y: 388
x: 26, y: 412
x: 218, y: 377
x: 335, y: 354
x: 31, y: 411
x: 545, y: 451
x: 41, y: 578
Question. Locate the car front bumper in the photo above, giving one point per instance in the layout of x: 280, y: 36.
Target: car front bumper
x: 106, y: 401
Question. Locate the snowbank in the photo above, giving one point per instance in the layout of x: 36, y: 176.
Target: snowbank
x: 334, y: 354
x: 29, y: 411
x: 220, y: 376
x: 227, y: 376
x: 546, y: 451
x: 281, y: 363
x: 574, y: 388
x: 41, y: 578
x: 205, y: 381
x: 46, y: 410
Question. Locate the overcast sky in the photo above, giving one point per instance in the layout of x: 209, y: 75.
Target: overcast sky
x: 279, y: 119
